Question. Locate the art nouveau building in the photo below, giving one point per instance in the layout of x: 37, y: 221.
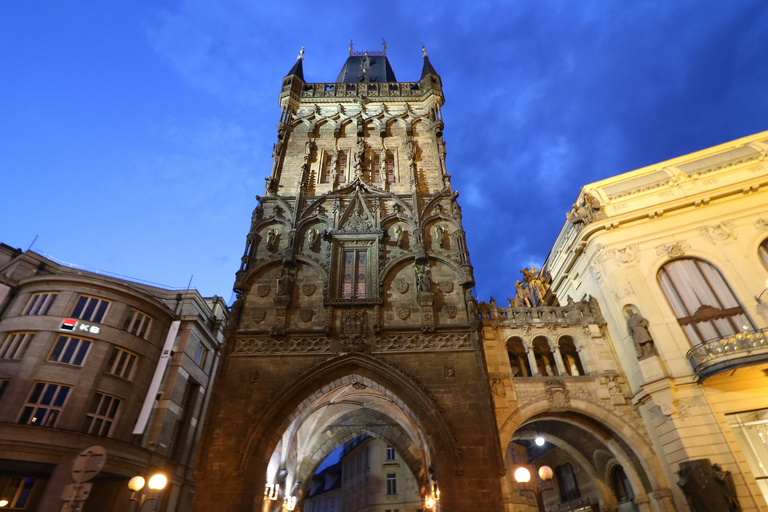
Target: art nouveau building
x: 90, y: 360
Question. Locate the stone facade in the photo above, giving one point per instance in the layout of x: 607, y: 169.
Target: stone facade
x: 78, y: 353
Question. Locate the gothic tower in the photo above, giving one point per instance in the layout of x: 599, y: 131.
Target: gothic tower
x: 354, y: 313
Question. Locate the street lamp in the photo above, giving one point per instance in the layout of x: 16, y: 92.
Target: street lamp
x: 157, y: 482
x: 522, y: 476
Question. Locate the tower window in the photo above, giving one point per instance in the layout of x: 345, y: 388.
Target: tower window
x: 354, y: 282
x: 390, y: 167
x: 376, y: 168
x: 341, y: 168
x: 325, y: 175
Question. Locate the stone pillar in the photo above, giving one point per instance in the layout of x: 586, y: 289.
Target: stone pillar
x: 559, y: 359
x: 532, y: 361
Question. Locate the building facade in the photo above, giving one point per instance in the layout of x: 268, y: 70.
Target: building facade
x: 354, y: 314
x: 90, y: 360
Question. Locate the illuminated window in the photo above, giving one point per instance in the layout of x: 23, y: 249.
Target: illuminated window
x: 122, y: 363
x: 15, y: 344
x: 354, y: 280
x: 751, y: 429
x: 17, y: 491
x: 137, y: 323
x: 391, y: 483
x: 390, y: 453
x: 70, y: 350
x: 39, y: 304
x: 703, y: 303
x: 101, y: 414
x: 44, y: 404
x: 90, y: 309
x: 201, y: 355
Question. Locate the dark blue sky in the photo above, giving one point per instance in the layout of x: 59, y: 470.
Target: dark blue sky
x: 133, y: 137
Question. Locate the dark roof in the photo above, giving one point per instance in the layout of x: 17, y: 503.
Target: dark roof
x: 427, y: 69
x: 366, y: 68
x: 297, y: 69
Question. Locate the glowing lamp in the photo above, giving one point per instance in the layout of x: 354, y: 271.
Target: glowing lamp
x: 289, y: 503
x: 545, y: 473
x: 539, y: 441
x: 158, y: 481
x: 136, y: 483
x: 3, y: 503
x: 429, y: 502
x: 522, y: 475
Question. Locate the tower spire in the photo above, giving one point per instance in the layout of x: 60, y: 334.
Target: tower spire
x: 298, y: 67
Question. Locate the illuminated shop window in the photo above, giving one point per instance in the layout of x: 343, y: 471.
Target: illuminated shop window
x: 16, y: 491
x: 751, y: 429
x: 44, y: 404
x: 703, y: 303
x: 91, y: 309
x: 70, y: 350
x: 122, y: 363
x: 137, y: 323
x: 15, y: 344
x: 39, y: 304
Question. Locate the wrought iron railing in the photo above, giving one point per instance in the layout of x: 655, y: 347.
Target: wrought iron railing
x: 734, y: 350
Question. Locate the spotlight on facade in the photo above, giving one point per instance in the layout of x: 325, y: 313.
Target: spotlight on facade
x: 158, y: 482
x: 539, y: 441
x: 136, y: 483
x: 522, y: 475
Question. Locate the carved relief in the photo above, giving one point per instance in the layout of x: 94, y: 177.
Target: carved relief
x: 306, y: 314
x: 761, y: 225
x: 450, y: 373
x: 717, y: 232
x: 627, y: 254
x: 308, y: 289
x: 262, y: 290
x: 450, y: 310
x: 673, y: 250
x: 257, y: 315
x: 401, y: 286
x: 423, y: 342
x: 353, y: 323
x: 497, y: 387
x: 557, y: 394
x: 282, y: 346
x: 445, y: 286
x: 403, y: 312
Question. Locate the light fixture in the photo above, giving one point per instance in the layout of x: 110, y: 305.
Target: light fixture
x: 136, y: 483
x: 3, y: 503
x: 289, y: 503
x: 546, y: 473
x: 429, y: 502
x: 271, y: 491
x: 522, y: 475
x: 158, y: 482
x: 539, y: 440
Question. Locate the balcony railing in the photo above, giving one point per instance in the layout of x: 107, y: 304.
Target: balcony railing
x: 737, y: 350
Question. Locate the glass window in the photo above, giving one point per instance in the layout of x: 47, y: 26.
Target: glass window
x: 17, y: 491
x: 621, y: 485
x: 39, y: 304
x: 566, y: 479
x: 101, y: 414
x: 341, y: 168
x: 3, y: 385
x: 390, y: 166
x: 201, y: 355
x: 15, y: 344
x: 90, y: 309
x: 763, y: 252
x: 45, y: 402
x: 390, y: 453
x: 391, y: 483
x: 70, y: 350
x: 122, y: 363
x: 751, y: 429
x: 354, y: 283
x: 137, y: 323
x: 703, y: 303
x: 375, y: 168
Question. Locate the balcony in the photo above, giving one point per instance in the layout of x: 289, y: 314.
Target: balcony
x: 742, y: 349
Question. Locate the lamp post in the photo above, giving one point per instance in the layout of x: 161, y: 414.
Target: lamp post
x: 157, y: 483
x: 522, y: 476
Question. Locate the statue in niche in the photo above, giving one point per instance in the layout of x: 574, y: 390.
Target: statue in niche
x: 359, y: 156
x: 439, y: 235
x: 271, y: 238
x: 312, y: 236
x: 285, y: 282
x: 309, y: 146
x: 638, y: 329
x: 423, y: 277
x: 399, y: 235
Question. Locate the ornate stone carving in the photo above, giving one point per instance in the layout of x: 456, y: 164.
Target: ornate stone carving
x: 627, y: 254
x: 761, y: 225
x: 450, y: 310
x: 423, y: 342
x: 401, y: 286
x: 306, y: 314
x: 558, y: 396
x: 272, y: 235
x: 257, y: 315
x: 423, y: 277
x: 262, y: 290
x: 354, y: 323
x: 403, y: 312
x: 359, y: 385
x: 445, y: 286
x: 450, y: 373
x: 717, y: 232
x: 308, y: 289
x: 246, y: 346
x: 673, y: 250
x: 497, y: 387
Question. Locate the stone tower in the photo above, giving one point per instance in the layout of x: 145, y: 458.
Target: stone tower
x: 354, y: 314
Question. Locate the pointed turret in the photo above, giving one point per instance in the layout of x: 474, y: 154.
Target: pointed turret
x: 298, y: 68
x: 427, y: 69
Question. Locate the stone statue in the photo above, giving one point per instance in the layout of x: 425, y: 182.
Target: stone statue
x: 638, y: 329
x: 423, y: 278
x: 523, y: 297
x: 309, y: 146
x: 285, y: 282
x: 271, y: 238
x: 312, y: 236
x: 439, y: 235
x: 399, y: 232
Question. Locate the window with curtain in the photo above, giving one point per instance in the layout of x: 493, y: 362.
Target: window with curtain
x: 702, y: 301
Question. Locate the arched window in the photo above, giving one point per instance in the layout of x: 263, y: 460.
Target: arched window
x: 545, y: 359
x: 763, y: 252
x: 621, y: 485
x: 703, y: 303
x: 518, y: 359
x: 571, y: 359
